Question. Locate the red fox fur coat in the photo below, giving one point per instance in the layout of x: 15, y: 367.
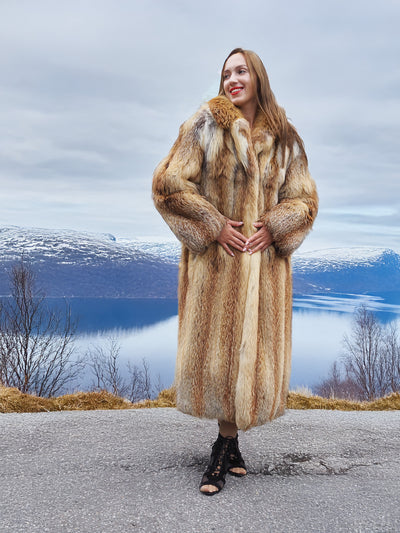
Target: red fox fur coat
x: 235, y: 313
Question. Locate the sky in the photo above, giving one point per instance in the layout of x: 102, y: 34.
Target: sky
x: 93, y: 93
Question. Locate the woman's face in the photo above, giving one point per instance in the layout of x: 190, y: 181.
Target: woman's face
x: 238, y: 85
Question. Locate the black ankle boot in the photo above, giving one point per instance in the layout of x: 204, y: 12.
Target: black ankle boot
x: 218, y: 465
x: 235, y: 459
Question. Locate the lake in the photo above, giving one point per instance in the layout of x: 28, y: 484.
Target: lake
x: 148, y: 329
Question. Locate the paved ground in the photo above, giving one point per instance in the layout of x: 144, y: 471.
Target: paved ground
x: 138, y: 471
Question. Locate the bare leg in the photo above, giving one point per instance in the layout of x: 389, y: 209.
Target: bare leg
x: 227, y: 429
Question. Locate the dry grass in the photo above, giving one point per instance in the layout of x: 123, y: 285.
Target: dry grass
x: 299, y: 401
x: 13, y: 401
x: 166, y: 398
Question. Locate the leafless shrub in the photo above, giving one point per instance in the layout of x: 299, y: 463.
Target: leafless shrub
x: 372, y: 355
x: 338, y: 385
x: 146, y: 379
x: 391, y: 357
x: 362, y: 356
x: 371, y: 361
x: 36, y: 342
x: 159, y: 386
x: 104, y: 363
x: 130, y: 381
x: 140, y: 382
x: 135, y: 391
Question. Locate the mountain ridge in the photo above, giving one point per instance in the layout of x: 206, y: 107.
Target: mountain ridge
x: 70, y: 263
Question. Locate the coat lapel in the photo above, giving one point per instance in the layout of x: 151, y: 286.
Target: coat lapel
x: 248, y: 144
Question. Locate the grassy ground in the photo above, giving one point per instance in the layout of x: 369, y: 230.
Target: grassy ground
x: 13, y: 401
x: 299, y: 401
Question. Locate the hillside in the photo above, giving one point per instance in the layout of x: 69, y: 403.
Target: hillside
x: 347, y: 270
x: 80, y: 264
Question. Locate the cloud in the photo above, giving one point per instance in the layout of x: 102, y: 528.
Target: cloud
x: 92, y: 96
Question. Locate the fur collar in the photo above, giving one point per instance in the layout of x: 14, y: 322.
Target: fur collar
x: 230, y: 118
x: 225, y: 114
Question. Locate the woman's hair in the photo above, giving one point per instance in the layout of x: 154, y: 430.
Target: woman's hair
x: 278, y: 124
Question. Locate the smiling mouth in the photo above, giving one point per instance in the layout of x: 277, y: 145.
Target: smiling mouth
x: 235, y: 90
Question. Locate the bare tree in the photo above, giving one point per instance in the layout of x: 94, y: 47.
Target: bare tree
x: 137, y: 382
x: 110, y: 374
x: 147, y: 388
x: 371, y: 361
x: 159, y: 386
x: 391, y: 358
x: 135, y: 392
x: 104, y: 363
x: 36, y: 342
x: 338, y: 385
x: 362, y: 353
x: 372, y: 355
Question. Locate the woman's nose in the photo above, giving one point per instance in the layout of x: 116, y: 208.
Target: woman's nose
x: 233, y: 79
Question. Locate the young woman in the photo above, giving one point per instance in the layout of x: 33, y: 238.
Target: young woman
x: 236, y: 191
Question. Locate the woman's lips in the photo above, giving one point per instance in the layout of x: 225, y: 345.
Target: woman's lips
x: 235, y: 90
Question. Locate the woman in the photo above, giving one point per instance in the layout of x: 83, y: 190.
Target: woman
x: 236, y: 191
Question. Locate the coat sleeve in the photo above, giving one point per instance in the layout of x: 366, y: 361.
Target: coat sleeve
x: 192, y: 218
x: 292, y: 218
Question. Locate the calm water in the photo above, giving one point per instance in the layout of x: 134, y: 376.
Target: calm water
x: 148, y: 329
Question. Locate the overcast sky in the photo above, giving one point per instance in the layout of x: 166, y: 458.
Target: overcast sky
x: 93, y: 93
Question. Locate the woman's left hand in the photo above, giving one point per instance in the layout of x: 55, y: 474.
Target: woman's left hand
x: 260, y: 240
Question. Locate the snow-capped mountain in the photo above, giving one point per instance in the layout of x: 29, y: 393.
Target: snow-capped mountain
x: 66, y: 246
x: 347, y: 270
x: 72, y: 263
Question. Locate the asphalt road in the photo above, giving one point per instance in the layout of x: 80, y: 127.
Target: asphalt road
x: 139, y: 470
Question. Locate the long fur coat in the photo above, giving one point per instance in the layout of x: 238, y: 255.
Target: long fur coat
x: 235, y: 313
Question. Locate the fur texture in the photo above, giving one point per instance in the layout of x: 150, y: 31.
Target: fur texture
x: 235, y: 313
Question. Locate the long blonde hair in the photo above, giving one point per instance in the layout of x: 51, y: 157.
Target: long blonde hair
x: 278, y: 124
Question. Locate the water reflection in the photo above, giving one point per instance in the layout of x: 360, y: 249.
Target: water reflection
x: 319, y: 324
x: 317, y: 343
x: 384, y: 306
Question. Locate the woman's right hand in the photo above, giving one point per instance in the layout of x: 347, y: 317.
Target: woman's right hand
x: 231, y: 237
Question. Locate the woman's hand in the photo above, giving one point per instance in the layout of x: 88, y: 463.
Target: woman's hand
x: 259, y: 241
x: 231, y: 237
